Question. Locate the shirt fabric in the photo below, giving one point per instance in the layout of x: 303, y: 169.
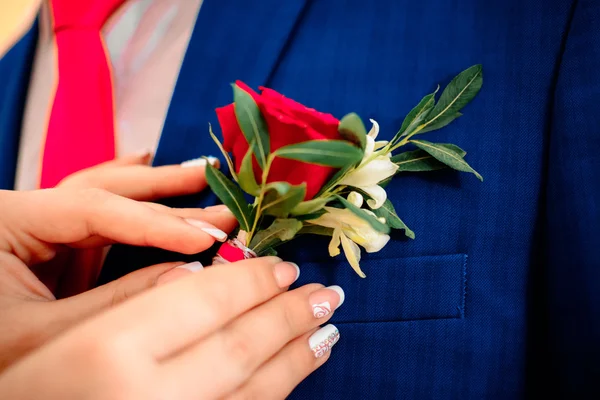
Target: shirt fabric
x: 146, y: 41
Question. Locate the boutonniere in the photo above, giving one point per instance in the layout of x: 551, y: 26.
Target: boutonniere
x: 307, y: 172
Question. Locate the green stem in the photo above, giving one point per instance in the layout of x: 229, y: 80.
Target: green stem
x: 261, y: 197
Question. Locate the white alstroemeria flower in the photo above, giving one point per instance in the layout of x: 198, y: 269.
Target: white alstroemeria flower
x: 372, y: 170
x: 350, y: 230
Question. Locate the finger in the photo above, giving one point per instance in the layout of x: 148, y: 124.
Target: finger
x: 142, y: 157
x: 241, y: 347
x: 218, y: 216
x: 174, y: 316
x: 80, y: 214
x: 77, y: 307
x: 281, y: 374
x: 142, y: 182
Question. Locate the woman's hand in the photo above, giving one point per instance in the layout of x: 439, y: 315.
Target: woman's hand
x: 36, y: 226
x: 131, y: 176
x: 229, y: 332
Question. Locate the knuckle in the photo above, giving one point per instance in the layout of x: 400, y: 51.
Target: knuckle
x: 94, y: 195
x: 240, y: 350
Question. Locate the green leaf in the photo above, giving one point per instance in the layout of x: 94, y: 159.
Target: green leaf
x: 313, y: 215
x: 353, y: 130
x: 281, y: 197
x: 388, y: 212
x: 330, y: 153
x: 416, y: 115
x: 252, y: 124
x: 448, y: 154
x: 246, y: 177
x: 281, y: 230
x: 230, y: 195
x: 334, y: 180
x: 310, y: 229
x: 359, y: 212
x: 416, y: 161
x: 225, y: 154
x: 310, y: 206
x: 440, y: 123
x: 459, y: 92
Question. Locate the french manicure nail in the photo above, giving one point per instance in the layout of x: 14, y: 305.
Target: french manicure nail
x: 208, y: 228
x: 323, y: 340
x: 324, y: 301
x: 286, y: 273
x: 200, y: 162
x: 193, y: 266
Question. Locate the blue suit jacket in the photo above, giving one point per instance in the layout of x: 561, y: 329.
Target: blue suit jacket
x: 499, y: 295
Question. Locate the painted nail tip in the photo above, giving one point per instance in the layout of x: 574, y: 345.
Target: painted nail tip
x: 216, y: 233
x: 323, y: 340
x: 198, y: 162
x: 193, y: 266
x: 340, y: 293
x: 297, y: 270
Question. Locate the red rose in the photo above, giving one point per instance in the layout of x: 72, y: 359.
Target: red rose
x: 289, y: 122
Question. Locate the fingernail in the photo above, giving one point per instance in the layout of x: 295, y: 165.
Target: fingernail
x: 286, y: 273
x: 193, y: 266
x: 323, y: 340
x: 208, y: 228
x: 200, y: 162
x: 326, y: 300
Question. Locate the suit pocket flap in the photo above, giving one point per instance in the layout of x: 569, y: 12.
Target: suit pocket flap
x: 396, y: 289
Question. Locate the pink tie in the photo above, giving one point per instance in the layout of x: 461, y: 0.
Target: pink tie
x: 81, y: 129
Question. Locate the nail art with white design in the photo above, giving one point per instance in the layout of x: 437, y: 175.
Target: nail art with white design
x: 321, y: 310
x: 323, y: 340
x: 324, y: 301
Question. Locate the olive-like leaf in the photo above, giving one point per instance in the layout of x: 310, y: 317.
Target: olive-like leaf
x: 440, y: 123
x: 231, y: 195
x: 281, y: 230
x: 329, y: 153
x: 353, y: 130
x: 310, y: 229
x: 246, y: 178
x: 416, y: 116
x: 310, y: 206
x: 388, y: 212
x: 459, y: 92
x: 419, y: 160
x: 281, y: 198
x: 416, y: 161
x: 450, y: 155
x: 252, y: 124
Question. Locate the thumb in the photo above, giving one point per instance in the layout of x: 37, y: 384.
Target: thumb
x: 86, y: 304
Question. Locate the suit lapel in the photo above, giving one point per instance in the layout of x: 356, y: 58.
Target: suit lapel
x: 15, y: 71
x: 240, y: 40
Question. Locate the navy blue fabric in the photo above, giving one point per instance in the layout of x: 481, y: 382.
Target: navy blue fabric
x: 15, y: 70
x: 499, y: 288
x: 573, y: 213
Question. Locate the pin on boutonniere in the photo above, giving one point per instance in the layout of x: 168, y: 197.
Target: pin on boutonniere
x: 310, y: 173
